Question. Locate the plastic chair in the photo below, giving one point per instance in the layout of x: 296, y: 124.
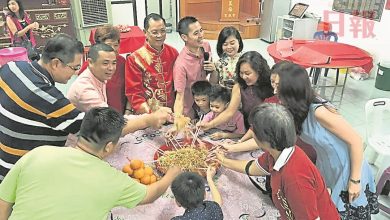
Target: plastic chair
x: 326, y: 35
x: 377, y: 152
x: 324, y: 32
x: 383, y: 200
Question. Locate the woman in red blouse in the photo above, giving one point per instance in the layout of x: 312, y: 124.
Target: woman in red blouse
x: 298, y: 190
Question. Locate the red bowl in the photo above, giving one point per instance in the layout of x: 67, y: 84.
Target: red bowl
x: 169, y: 147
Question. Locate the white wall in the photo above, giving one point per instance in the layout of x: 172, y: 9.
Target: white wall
x: 122, y: 13
x: 141, y: 13
x: 378, y: 46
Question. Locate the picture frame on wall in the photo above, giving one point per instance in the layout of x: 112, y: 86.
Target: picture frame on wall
x: 361, y: 8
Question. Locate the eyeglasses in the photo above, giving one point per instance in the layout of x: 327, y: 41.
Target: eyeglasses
x: 156, y: 33
x: 74, y: 68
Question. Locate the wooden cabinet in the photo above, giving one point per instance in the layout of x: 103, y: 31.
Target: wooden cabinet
x: 51, y: 22
x: 53, y: 18
x: 214, y: 15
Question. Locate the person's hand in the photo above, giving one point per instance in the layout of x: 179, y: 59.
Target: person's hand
x: 34, y: 25
x: 174, y: 170
x: 211, y: 171
x: 159, y: 117
x: 165, y: 109
x: 204, y: 126
x: 209, y: 66
x: 226, y: 147
x: 218, y: 135
x: 220, y: 156
x: 353, y: 191
x: 171, y: 133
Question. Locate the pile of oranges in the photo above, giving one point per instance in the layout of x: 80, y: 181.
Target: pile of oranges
x: 141, y: 173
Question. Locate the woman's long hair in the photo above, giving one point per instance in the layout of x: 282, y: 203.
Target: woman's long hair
x: 294, y: 91
x: 260, y: 66
x: 21, y: 10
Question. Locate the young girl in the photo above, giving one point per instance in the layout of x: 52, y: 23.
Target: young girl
x: 339, y: 148
x: 219, y: 99
x: 229, y: 47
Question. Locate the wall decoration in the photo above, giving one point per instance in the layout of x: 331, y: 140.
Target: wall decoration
x: 370, y: 9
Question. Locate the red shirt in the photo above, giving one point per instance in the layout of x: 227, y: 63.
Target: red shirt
x: 298, y: 189
x: 272, y: 99
x: 149, y: 77
x: 115, y: 87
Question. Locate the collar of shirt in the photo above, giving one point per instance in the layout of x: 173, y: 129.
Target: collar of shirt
x: 283, y: 158
x: 99, y: 84
x: 191, y: 54
x: 152, y: 50
x: 43, y: 71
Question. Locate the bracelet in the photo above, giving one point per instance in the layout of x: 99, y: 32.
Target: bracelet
x: 354, y: 181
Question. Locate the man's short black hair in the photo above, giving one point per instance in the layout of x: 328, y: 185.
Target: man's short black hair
x: 188, y: 189
x: 184, y: 23
x: 219, y: 93
x: 201, y: 88
x: 94, y: 50
x: 155, y: 17
x: 102, y: 125
x: 63, y: 47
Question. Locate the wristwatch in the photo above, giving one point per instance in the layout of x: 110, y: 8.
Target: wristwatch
x: 354, y: 181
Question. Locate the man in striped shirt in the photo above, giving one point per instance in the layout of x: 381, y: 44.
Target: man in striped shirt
x: 33, y: 112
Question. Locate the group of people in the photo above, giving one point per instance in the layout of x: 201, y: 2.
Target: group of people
x: 238, y: 94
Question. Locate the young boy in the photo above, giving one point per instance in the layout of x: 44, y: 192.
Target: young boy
x: 200, y: 92
x: 219, y: 100
x: 189, y: 191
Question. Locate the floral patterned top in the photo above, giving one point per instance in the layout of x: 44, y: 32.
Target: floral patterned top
x: 226, y: 70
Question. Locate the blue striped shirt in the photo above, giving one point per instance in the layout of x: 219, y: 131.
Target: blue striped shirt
x: 33, y: 112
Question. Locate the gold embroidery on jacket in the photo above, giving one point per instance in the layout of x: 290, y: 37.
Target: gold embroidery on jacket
x: 285, y: 206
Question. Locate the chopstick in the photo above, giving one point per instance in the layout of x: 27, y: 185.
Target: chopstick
x: 197, y: 131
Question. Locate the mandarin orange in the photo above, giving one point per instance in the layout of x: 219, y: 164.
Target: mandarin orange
x: 145, y: 180
x: 139, y: 173
x: 127, y: 169
x: 148, y: 171
x: 153, y: 179
x: 136, y: 164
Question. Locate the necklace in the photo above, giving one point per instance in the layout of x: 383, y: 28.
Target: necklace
x: 83, y: 149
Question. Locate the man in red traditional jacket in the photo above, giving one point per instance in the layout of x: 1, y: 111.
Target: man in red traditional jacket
x: 149, y: 73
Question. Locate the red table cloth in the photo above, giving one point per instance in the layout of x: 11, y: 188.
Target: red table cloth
x: 130, y: 41
x: 320, y: 54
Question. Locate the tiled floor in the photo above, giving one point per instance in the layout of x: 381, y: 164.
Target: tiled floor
x: 356, y: 93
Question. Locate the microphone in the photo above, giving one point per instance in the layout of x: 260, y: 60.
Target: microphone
x: 206, y: 56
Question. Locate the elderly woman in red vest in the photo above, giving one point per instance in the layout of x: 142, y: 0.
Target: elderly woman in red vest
x: 19, y: 22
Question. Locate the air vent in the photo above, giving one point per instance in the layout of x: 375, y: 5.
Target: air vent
x: 93, y: 12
